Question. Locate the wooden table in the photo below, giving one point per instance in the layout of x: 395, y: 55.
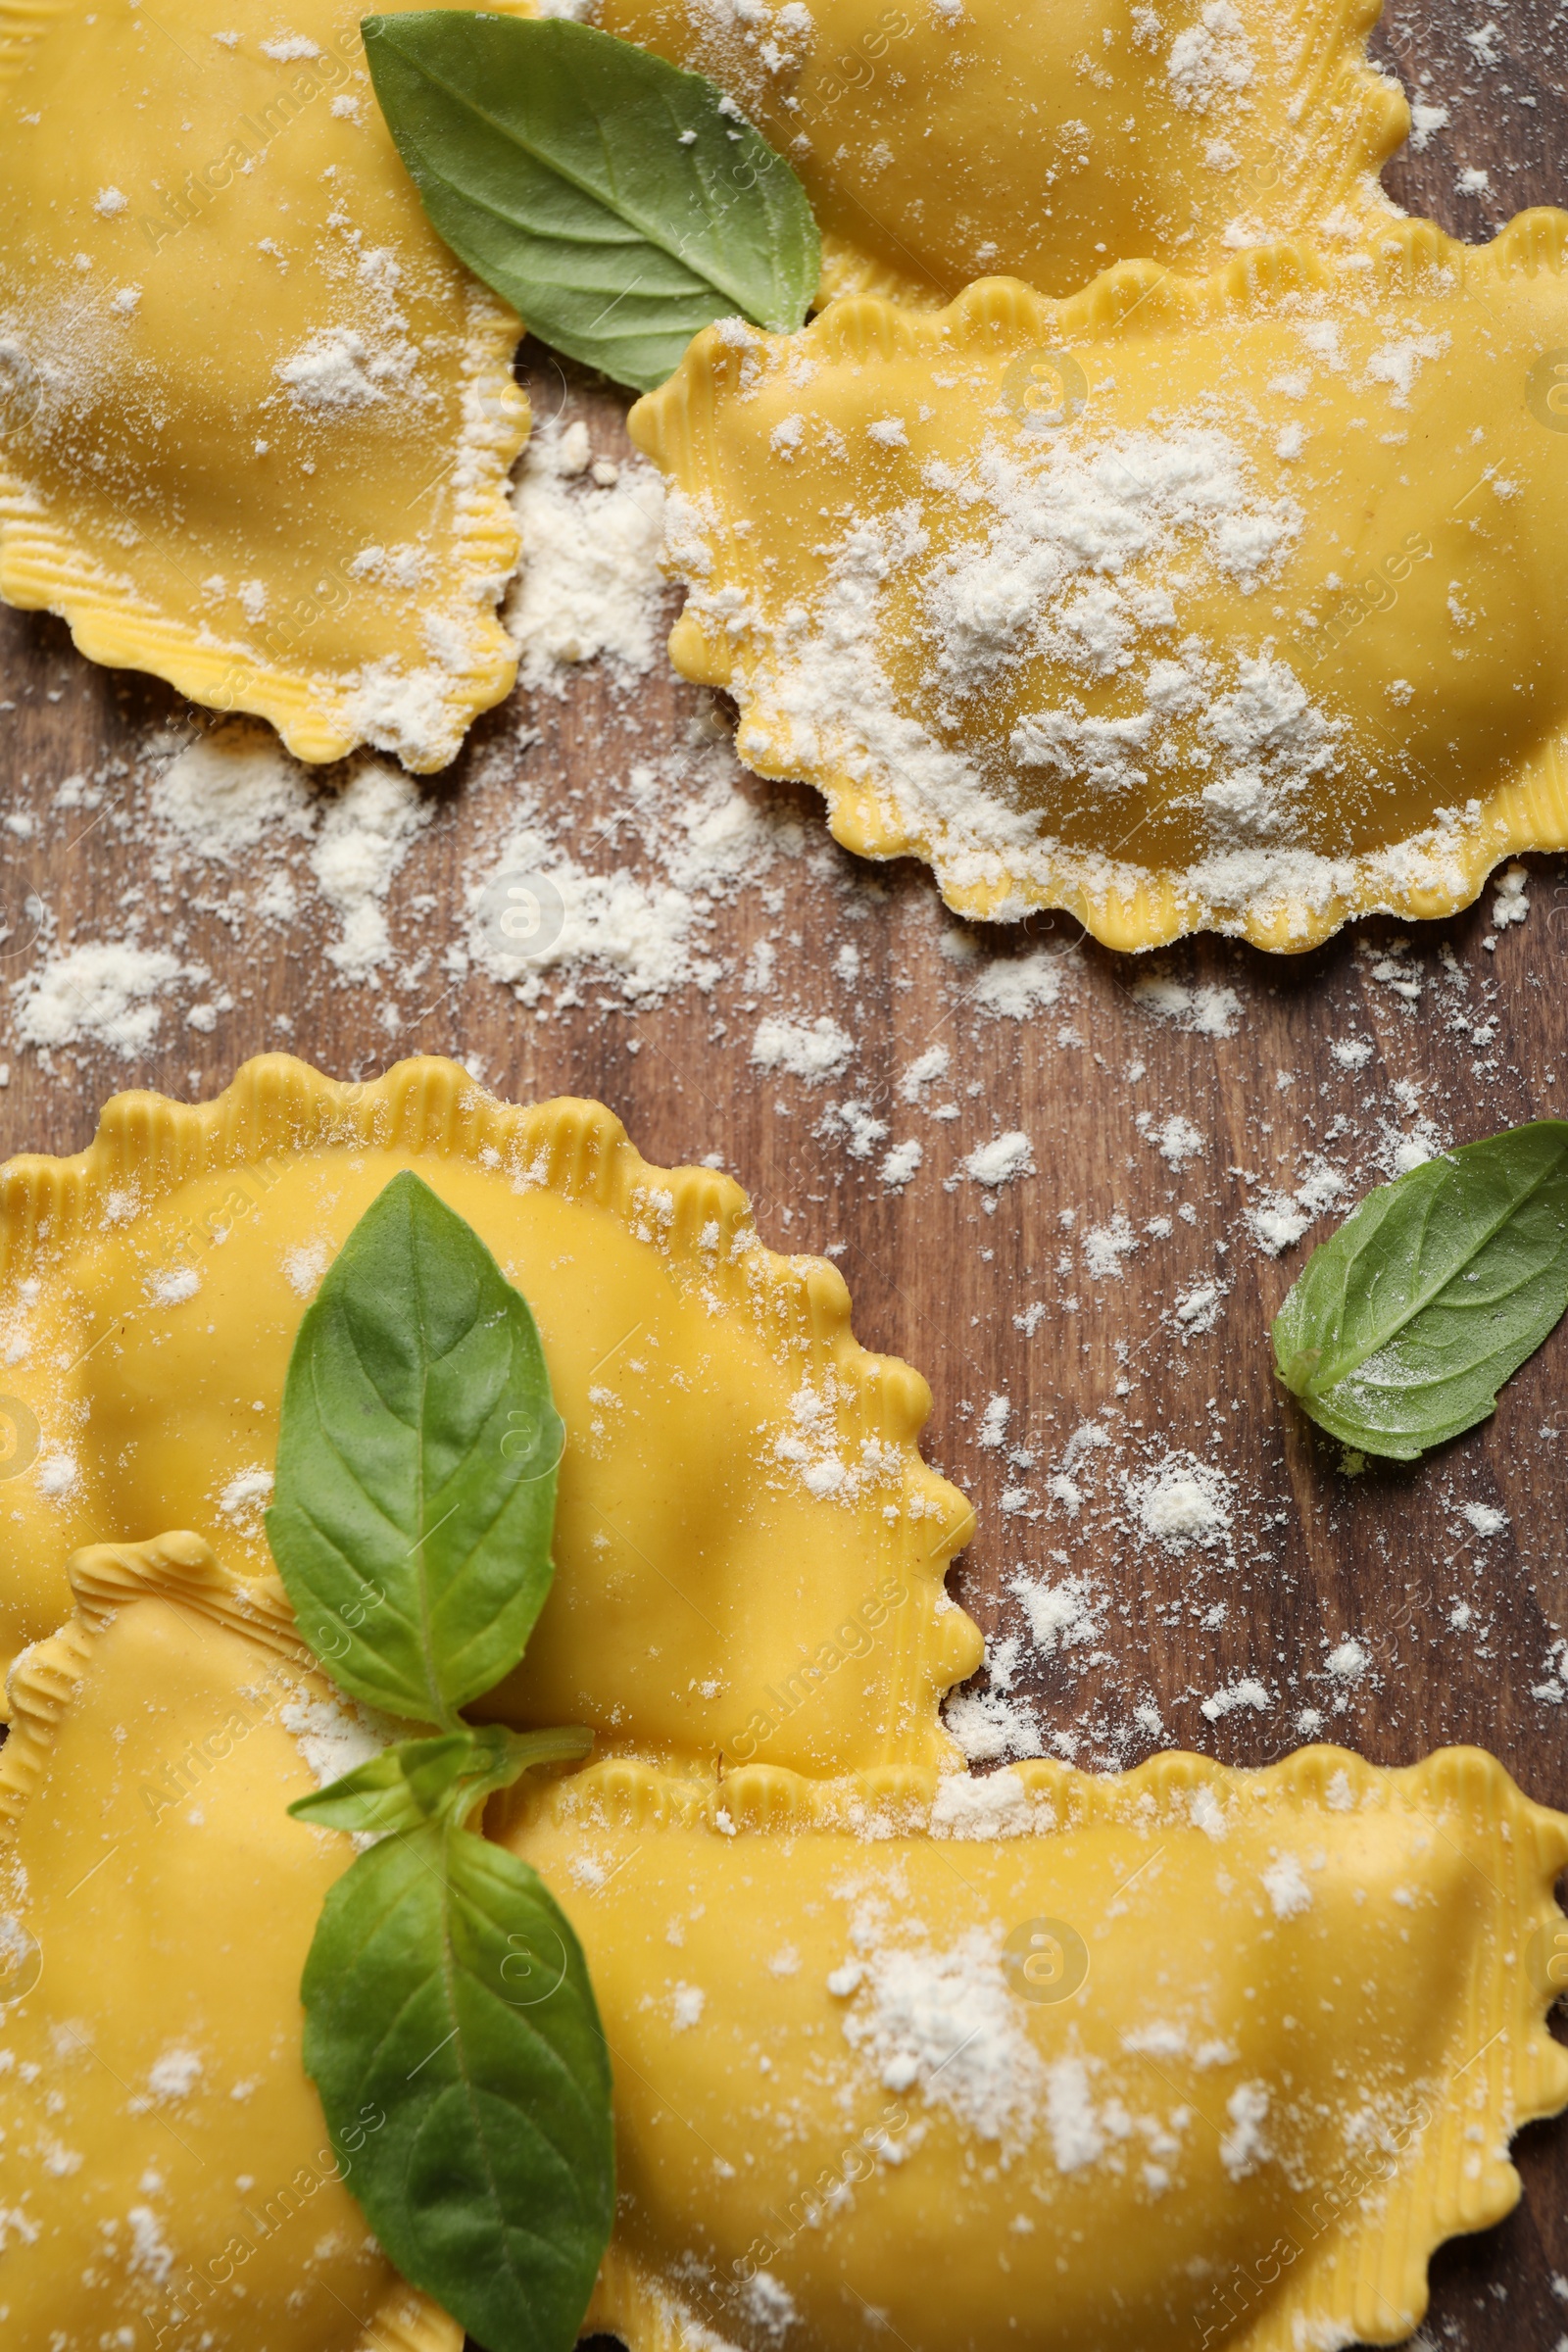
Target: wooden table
x: 1470, y: 1037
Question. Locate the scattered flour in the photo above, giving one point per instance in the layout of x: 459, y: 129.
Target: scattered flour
x: 1349, y: 1660
x: 1059, y: 1616
x: 770, y: 2307
x: 1017, y: 988
x: 991, y: 1728
x: 334, y: 1735
x: 1207, y: 1009
x: 150, y: 2255
x: 1106, y: 1245
x: 590, y: 584
x: 1425, y: 121
x: 1286, y: 1890
x: 902, y: 1165
x: 947, y: 2024
x: 105, y: 995
x: 1244, y: 2147
x: 1279, y: 1219
x: 809, y: 1050
x: 991, y: 1805
x: 705, y: 840
x: 231, y: 791
x: 173, y: 1286
x: 1076, y: 2135
x: 686, y: 2005
x: 1175, y: 1138
x: 1001, y: 1162
x: 1211, y: 60
x: 1246, y: 1692
x: 364, y: 836
x: 1185, y: 1503
x: 174, y: 2075
x: 245, y: 1499
x: 336, y: 371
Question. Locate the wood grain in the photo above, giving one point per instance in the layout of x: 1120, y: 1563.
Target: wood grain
x: 1466, y: 1037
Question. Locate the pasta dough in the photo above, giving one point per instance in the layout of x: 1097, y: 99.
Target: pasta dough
x: 941, y: 143
x: 165, y: 2176
x: 1234, y: 601
x: 1187, y: 2057
x: 748, y: 1545
x: 255, y: 419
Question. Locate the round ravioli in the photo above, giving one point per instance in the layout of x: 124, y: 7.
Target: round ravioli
x: 165, y: 2176
x: 254, y: 421
x: 1233, y: 603
x: 940, y: 142
x: 1185, y: 2057
x: 748, y: 1549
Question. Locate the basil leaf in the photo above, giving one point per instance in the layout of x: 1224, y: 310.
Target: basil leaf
x: 446, y: 1994
x: 419, y: 1780
x: 1406, y: 1322
x: 417, y: 1464
x: 615, y: 201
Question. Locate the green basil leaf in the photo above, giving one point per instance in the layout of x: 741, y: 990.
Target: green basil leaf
x: 420, y: 1780
x: 1406, y: 1322
x: 446, y: 1994
x: 615, y: 201
x: 417, y: 1464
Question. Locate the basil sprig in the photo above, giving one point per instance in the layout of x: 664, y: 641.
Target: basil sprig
x: 1406, y: 1322
x: 445, y: 1989
x: 420, y: 1781
x: 616, y: 202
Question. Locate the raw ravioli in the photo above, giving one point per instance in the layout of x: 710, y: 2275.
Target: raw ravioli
x: 255, y: 419
x: 165, y: 2177
x: 1237, y: 603
x: 744, y: 1523
x: 1178, y: 2058
x: 940, y: 142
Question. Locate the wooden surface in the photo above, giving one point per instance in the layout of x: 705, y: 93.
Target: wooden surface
x: 1457, y: 1624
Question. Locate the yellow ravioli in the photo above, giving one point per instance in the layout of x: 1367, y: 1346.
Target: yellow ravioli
x: 748, y: 1549
x: 165, y: 2177
x: 1186, y: 2057
x: 255, y: 421
x: 940, y: 143
x: 1235, y: 602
